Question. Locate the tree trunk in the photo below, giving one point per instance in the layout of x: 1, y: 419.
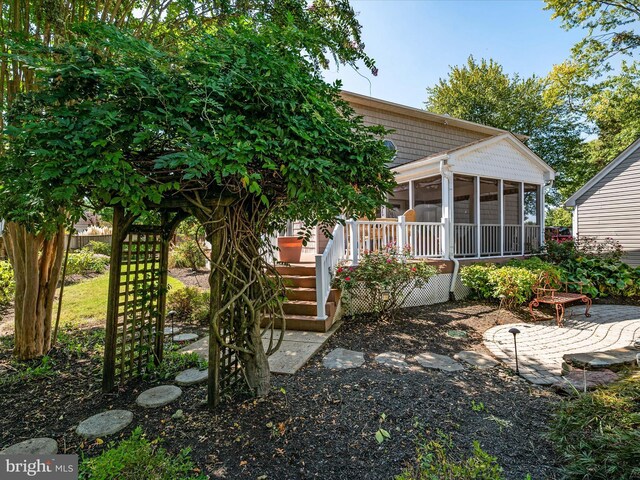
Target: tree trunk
x: 36, y: 263
x: 256, y: 366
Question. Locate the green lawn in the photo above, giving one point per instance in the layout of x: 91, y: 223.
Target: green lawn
x: 84, y: 304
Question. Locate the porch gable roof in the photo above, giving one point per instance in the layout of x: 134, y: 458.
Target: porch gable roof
x: 415, y: 169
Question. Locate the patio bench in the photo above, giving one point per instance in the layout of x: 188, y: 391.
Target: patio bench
x: 545, y: 293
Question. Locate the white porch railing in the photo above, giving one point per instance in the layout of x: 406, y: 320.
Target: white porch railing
x: 465, y: 239
x: 531, y: 238
x: 325, y: 266
x: 512, y: 239
x: 490, y: 239
x: 424, y: 238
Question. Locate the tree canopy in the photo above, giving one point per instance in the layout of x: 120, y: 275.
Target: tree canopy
x: 238, y: 112
x: 480, y: 91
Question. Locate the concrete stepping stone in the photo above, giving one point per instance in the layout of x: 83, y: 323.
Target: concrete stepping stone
x: 438, y: 362
x: 192, y: 376
x: 341, y: 359
x: 172, y: 331
x: 158, y: 396
x: 608, y: 359
x: 105, y: 423
x: 394, y: 360
x: 477, y: 359
x: 457, y: 334
x: 33, y: 446
x: 575, y: 380
x: 185, y: 337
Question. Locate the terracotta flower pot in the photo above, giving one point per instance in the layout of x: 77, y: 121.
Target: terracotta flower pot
x: 290, y: 249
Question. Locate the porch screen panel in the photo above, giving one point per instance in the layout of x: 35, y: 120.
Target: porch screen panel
x: 512, y: 218
x: 533, y: 215
x: 427, y: 199
x: 399, y: 201
x: 489, y: 217
x: 464, y: 199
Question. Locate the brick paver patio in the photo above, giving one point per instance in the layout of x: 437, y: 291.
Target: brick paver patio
x: 541, y: 345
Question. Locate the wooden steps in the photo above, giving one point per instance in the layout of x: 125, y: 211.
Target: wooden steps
x: 301, y: 307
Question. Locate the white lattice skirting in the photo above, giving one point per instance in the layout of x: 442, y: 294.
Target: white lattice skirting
x: 435, y: 291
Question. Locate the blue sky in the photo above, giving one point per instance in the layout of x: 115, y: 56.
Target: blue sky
x: 415, y: 41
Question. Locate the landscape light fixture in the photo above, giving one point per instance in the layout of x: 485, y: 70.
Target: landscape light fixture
x: 514, y: 331
x: 385, y: 295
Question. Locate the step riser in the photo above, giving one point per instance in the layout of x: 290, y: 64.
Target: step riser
x: 306, y: 325
x: 296, y: 270
x: 306, y: 309
x: 303, y: 282
x: 311, y: 295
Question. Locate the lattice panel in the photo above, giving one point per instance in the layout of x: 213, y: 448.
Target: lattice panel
x: 139, y: 290
x: 435, y: 291
x: 230, y: 370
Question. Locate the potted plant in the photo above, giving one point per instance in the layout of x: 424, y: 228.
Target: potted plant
x: 290, y: 248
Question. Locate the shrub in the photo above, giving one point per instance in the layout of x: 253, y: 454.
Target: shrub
x: 189, y: 303
x: 137, y: 458
x: 387, y: 277
x: 100, y: 248
x: 515, y: 283
x: 83, y: 262
x: 537, y: 266
x: 603, y: 276
x: 558, y: 252
x: 434, y: 461
x: 187, y: 254
x: 476, y: 277
x: 7, y: 283
x: 598, y: 433
x: 488, y: 281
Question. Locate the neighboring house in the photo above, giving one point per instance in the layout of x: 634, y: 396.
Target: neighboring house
x: 608, y: 205
x: 465, y: 192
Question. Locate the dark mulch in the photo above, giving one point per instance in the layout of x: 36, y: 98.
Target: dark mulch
x: 319, y: 423
x: 191, y: 278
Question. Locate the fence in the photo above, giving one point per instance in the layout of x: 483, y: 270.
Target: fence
x: 80, y: 241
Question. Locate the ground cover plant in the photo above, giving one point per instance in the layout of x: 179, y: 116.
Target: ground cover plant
x: 598, y: 433
x: 137, y: 458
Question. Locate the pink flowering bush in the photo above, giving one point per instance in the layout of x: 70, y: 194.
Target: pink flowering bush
x: 385, y: 278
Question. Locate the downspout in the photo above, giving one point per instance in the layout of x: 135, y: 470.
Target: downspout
x: 445, y: 170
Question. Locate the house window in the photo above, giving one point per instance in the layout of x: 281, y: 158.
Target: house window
x: 391, y: 146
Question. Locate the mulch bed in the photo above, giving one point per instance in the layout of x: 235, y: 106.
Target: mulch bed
x: 318, y: 423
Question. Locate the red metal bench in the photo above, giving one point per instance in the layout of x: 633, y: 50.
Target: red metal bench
x: 546, y: 293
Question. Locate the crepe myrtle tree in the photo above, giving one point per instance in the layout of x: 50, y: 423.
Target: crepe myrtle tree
x: 241, y: 116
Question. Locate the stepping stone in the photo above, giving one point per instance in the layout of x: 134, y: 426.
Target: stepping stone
x: 477, y: 359
x: 575, y: 380
x: 608, y: 359
x: 438, y: 362
x: 172, y: 331
x: 185, y: 337
x: 457, y: 334
x: 158, y: 396
x: 341, y: 359
x: 105, y: 423
x: 393, y: 359
x: 192, y: 376
x: 33, y: 446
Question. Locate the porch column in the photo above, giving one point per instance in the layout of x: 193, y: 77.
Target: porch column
x: 446, y: 217
x: 477, y: 215
x: 411, y: 195
x: 522, y: 218
x: 501, y: 207
x: 542, y: 214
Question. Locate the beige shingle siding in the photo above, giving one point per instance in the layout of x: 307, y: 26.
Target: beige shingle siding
x: 415, y: 138
x: 611, y: 208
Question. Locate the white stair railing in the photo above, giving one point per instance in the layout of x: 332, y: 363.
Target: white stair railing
x: 325, y: 267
